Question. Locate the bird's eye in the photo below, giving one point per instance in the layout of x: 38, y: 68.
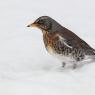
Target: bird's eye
x: 40, y: 21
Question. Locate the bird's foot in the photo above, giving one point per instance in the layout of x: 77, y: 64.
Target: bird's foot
x: 63, y: 64
x: 74, y: 66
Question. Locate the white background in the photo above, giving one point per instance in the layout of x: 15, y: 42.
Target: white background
x: 25, y: 66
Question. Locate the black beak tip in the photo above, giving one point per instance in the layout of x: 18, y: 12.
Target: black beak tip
x: 28, y: 25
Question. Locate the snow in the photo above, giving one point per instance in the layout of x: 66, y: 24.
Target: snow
x: 25, y: 66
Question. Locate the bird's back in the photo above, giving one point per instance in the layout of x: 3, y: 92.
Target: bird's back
x: 76, y: 42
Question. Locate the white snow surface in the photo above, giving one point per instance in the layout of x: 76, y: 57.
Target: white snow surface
x: 25, y: 66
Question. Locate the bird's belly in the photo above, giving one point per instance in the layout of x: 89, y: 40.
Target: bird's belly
x: 61, y: 57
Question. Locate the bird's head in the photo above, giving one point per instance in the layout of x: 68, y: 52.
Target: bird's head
x: 44, y: 23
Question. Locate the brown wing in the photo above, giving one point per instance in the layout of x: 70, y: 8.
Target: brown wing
x: 74, y: 41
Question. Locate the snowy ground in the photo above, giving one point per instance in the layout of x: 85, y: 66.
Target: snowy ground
x: 25, y: 66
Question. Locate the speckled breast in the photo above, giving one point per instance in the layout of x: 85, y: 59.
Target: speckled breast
x: 49, y: 41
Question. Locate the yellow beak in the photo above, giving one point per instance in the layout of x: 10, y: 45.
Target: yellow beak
x: 32, y: 25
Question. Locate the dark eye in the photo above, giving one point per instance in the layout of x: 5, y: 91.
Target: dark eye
x: 41, y: 22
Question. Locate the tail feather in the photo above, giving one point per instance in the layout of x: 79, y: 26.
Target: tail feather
x: 90, y: 52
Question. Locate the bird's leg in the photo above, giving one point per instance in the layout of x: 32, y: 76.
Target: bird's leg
x: 63, y: 64
x: 74, y: 66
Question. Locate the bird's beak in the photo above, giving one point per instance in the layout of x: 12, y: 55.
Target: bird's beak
x: 28, y: 25
x: 32, y: 25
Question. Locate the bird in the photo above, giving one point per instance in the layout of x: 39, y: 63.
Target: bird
x: 62, y: 42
